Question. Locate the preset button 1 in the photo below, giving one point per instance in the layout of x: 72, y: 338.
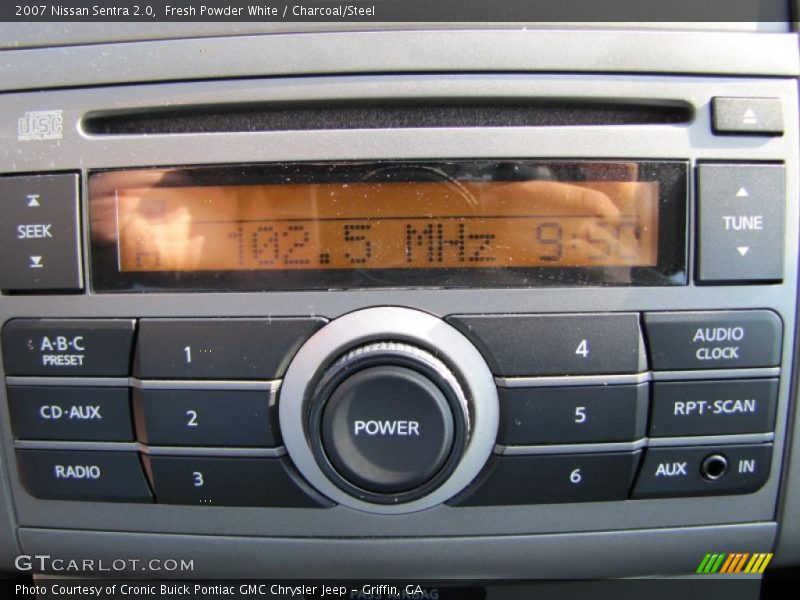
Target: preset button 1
x: 714, y: 340
x: 219, y: 348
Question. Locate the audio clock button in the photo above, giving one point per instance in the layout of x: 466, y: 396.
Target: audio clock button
x: 387, y: 429
x: 714, y: 340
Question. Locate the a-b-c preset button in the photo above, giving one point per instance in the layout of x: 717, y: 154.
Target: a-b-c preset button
x: 387, y: 429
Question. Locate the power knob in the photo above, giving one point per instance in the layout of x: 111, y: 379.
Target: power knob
x: 388, y: 422
x: 388, y: 410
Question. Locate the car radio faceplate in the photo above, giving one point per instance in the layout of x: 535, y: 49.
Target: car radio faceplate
x: 587, y: 407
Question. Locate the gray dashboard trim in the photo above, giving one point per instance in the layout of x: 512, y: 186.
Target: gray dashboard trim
x: 38, y: 34
x: 656, y: 551
x: 675, y: 52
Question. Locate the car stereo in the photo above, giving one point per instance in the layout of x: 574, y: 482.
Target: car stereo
x: 515, y: 312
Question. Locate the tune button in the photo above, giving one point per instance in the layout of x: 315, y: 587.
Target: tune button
x: 388, y: 422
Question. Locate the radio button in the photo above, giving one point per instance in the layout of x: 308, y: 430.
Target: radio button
x: 217, y: 481
x: 714, y: 340
x: 548, y: 479
x: 713, y: 407
x: 530, y: 345
x: 703, y: 471
x: 79, y: 348
x: 205, y: 417
x: 754, y: 116
x: 219, y: 348
x: 39, y: 239
x: 568, y: 415
x: 741, y: 222
x: 70, y: 413
x: 85, y: 475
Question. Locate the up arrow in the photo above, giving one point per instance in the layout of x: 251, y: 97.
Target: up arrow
x: 33, y: 200
x: 743, y: 249
x: 742, y: 193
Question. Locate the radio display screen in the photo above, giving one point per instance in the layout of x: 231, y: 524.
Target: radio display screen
x: 344, y: 225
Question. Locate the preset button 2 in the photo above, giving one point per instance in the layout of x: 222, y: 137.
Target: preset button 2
x: 205, y: 417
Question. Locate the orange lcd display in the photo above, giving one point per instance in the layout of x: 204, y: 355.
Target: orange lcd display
x: 290, y: 226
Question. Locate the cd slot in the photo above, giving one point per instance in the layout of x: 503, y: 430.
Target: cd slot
x: 383, y: 114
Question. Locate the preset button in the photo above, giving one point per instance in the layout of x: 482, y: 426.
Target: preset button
x: 553, y: 478
x: 530, y: 345
x: 219, y: 348
x: 216, y: 481
x: 568, y: 415
x: 205, y: 417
